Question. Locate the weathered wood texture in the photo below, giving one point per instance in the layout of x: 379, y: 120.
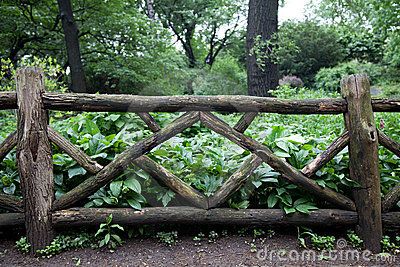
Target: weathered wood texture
x: 91, y: 102
x: 10, y: 203
x: 245, y: 121
x: 393, y: 196
x: 78, y: 217
x: 389, y: 143
x: 386, y: 105
x: 363, y: 153
x: 8, y: 144
x: 338, y: 145
x: 289, y: 172
x: 188, y: 215
x: 8, y: 100
x: 124, y: 160
x: 163, y: 176
x: 131, y: 103
x: 235, y: 181
x: 149, y: 120
x: 75, y: 153
x: 34, y: 158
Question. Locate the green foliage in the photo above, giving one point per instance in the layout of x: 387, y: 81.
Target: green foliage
x: 49, y: 66
x: 67, y: 242
x: 329, y: 78
x: 109, y: 234
x: 306, y: 47
x: 318, y: 242
x: 388, y: 245
x: 168, y: 238
x: 23, y: 245
x: 354, y: 239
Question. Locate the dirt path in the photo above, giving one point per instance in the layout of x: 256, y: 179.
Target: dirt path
x: 225, y: 251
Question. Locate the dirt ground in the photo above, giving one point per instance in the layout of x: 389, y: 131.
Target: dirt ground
x: 231, y: 250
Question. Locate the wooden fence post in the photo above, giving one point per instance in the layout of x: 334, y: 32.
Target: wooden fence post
x: 34, y: 158
x: 363, y: 151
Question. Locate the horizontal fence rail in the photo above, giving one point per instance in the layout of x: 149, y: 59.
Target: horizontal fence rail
x: 41, y: 213
x: 226, y: 103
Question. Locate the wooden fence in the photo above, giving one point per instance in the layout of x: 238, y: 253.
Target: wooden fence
x: 42, y: 213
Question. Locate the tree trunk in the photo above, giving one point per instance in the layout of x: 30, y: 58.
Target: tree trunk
x: 78, y: 82
x: 262, y: 21
x: 34, y: 158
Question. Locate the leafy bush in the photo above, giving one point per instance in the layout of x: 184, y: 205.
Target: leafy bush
x: 225, y: 78
x: 329, y: 78
x: 315, y: 47
x: 49, y: 65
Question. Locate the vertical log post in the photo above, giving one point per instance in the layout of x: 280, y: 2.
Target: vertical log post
x: 34, y: 158
x: 363, y: 151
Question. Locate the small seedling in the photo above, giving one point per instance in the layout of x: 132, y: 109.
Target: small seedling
x: 108, y: 234
x: 212, y: 237
x: 198, y: 238
x: 168, y: 238
x: 23, y: 245
x: 354, y: 239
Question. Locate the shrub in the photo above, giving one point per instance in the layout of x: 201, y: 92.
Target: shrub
x: 315, y: 47
x: 225, y: 78
x: 329, y: 78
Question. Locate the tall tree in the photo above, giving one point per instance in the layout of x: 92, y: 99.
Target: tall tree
x: 262, y: 23
x: 78, y: 81
x: 202, y: 27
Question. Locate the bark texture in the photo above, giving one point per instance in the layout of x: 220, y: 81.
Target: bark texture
x: 78, y: 81
x: 262, y: 75
x: 34, y: 158
x: 363, y: 153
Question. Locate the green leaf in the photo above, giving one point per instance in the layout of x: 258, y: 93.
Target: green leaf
x: 297, y: 139
x: 75, y: 171
x: 117, y: 226
x: 116, y: 187
x: 133, y: 184
x: 109, y: 219
x: 117, y: 238
x: 281, y: 154
x: 58, y: 179
x: 282, y: 145
x: 134, y: 204
x: 304, y: 208
x: 272, y: 200
x: 91, y: 127
x: 114, y: 117
x: 289, y: 210
x: 161, y: 153
x: 257, y: 184
x: 107, y: 238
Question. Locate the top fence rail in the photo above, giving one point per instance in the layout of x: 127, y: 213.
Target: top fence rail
x: 224, y: 103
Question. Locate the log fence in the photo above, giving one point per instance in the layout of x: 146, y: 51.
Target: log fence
x: 41, y: 213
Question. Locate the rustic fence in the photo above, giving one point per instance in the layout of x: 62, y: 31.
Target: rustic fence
x: 42, y: 213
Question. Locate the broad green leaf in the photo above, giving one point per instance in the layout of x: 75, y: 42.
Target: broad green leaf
x: 134, y: 204
x: 133, y: 184
x: 272, y: 200
x: 116, y: 187
x: 75, y: 171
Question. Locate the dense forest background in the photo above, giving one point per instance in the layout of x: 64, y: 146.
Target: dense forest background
x: 172, y: 47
